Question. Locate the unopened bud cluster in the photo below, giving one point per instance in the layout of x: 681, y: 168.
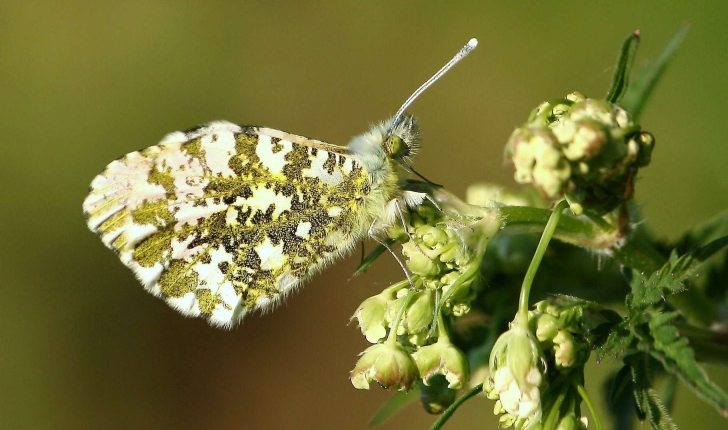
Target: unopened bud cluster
x: 409, y: 322
x: 585, y: 149
x: 561, y: 325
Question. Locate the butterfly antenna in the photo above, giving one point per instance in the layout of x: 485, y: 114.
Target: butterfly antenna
x: 464, y: 51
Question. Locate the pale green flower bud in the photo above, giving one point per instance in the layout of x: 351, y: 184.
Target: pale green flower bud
x: 371, y: 316
x: 443, y: 358
x: 547, y: 327
x: 452, y: 252
x: 458, y: 300
x: 388, y: 364
x: 586, y: 149
x: 506, y: 420
x: 517, y: 371
x: 538, y: 159
x: 564, y: 349
x: 492, y: 394
x: 418, y: 262
x: 570, y: 422
x: 431, y: 235
x: 420, y: 313
x: 397, y: 232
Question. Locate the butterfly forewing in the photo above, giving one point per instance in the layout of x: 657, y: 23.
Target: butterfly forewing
x: 223, y: 219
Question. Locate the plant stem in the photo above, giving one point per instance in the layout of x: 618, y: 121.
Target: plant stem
x: 392, y: 338
x: 590, y: 406
x: 636, y: 251
x: 451, y: 410
x: 538, y: 256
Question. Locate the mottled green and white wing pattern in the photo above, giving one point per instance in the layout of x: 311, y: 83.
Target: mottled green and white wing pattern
x: 223, y: 219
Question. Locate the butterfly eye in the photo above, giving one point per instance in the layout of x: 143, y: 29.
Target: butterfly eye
x: 396, y: 147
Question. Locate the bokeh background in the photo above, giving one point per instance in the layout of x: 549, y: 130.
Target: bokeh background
x: 82, y: 83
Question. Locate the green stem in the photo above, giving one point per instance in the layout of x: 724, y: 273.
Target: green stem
x: 590, y: 406
x: 538, y: 256
x: 709, y: 346
x: 442, y: 334
x: 451, y: 410
x: 392, y: 338
x: 599, y: 221
x: 636, y: 251
x: 549, y: 423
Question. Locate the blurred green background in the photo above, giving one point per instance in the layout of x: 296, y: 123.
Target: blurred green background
x: 82, y: 83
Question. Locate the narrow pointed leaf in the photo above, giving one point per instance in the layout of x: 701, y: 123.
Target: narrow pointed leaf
x: 393, y: 406
x: 369, y: 259
x: 620, y: 80
x: 646, y: 79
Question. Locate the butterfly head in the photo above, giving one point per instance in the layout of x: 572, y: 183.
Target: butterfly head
x: 402, y: 139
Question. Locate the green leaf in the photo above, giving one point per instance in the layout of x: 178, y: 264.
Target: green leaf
x: 703, y: 232
x: 688, y: 263
x: 392, y: 406
x: 678, y: 358
x: 649, y: 405
x: 716, y: 279
x: 713, y: 277
x: 619, y: 343
x: 669, y: 279
x: 369, y: 259
x: 620, y: 79
x: 646, y: 79
x: 649, y: 291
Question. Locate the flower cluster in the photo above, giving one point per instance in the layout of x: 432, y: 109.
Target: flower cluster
x: 537, y: 366
x: 567, y: 327
x: 585, y: 149
x: 409, y: 322
x: 517, y: 370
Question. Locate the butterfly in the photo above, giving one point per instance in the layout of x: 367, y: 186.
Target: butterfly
x: 223, y: 220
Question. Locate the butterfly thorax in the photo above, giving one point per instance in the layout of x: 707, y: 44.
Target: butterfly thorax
x: 384, y: 152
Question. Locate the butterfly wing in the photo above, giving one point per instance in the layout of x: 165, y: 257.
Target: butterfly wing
x: 223, y: 220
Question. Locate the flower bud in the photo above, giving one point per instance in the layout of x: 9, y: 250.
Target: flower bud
x: 419, y: 314
x: 431, y: 236
x: 517, y: 370
x: 570, y: 422
x: 371, y: 316
x: 443, y: 358
x: 565, y: 353
x: 419, y: 263
x: 539, y: 161
x: 586, y: 149
x: 547, y: 327
x: 388, y: 364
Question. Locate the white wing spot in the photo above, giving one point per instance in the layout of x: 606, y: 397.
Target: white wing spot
x: 303, y: 230
x: 273, y: 161
x: 271, y: 256
x: 263, y: 198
